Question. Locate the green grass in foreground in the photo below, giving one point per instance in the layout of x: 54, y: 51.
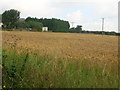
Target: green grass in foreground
x: 23, y: 70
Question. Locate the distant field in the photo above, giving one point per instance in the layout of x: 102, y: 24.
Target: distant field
x: 70, y: 60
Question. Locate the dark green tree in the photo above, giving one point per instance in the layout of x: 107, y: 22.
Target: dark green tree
x: 35, y: 25
x: 21, y: 25
x: 55, y: 25
x: 78, y: 28
x: 28, y: 19
x: 9, y: 17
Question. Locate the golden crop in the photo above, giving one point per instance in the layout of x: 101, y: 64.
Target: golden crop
x: 72, y: 59
x: 70, y: 46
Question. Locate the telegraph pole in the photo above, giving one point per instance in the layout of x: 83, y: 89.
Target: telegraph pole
x: 102, y: 25
x: 72, y: 23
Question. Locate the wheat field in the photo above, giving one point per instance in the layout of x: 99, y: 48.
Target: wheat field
x: 91, y: 47
x: 94, y: 50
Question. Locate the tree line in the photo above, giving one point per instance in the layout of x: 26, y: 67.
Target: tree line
x: 55, y: 25
x: 11, y: 20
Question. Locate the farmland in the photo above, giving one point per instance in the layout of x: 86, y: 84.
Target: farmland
x: 59, y: 60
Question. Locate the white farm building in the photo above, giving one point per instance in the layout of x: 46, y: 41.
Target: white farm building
x: 1, y: 25
x: 44, y: 29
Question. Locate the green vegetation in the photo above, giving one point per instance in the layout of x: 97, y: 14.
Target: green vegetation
x: 21, y: 25
x: 78, y: 29
x: 24, y: 70
x: 101, y: 32
x: 11, y: 20
x: 55, y: 25
x: 59, y: 60
x: 9, y: 17
x: 28, y: 25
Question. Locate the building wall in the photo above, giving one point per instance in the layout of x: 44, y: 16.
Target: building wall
x: 44, y: 29
x: 1, y: 24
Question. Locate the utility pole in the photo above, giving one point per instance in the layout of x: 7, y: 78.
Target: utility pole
x: 72, y: 23
x: 102, y: 25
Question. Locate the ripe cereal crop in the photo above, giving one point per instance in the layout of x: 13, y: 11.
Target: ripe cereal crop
x: 59, y: 60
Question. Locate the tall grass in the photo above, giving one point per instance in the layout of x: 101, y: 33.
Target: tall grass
x: 24, y: 70
x: 50, y: 60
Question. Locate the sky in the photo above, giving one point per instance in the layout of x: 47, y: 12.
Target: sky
x: 88, y: 13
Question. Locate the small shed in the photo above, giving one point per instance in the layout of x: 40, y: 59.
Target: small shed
x: 1, y: 25
x: 44, y: 29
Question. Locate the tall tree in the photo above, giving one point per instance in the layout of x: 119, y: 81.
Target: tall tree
x: 55, y: 25
x: 35, y: 25
x: 9, y: 17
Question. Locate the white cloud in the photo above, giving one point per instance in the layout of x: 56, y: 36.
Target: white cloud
x: 105, y: 8
x: 97, y: 26
x: 53, y: 8
x: 92, y: 26
x: 76, y: 16
x: 35, y: 8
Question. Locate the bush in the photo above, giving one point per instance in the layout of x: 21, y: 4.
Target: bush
x: 21, y: 24
x: 35, y: 25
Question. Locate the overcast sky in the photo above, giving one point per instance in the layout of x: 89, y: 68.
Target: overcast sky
x: 87, y: 13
